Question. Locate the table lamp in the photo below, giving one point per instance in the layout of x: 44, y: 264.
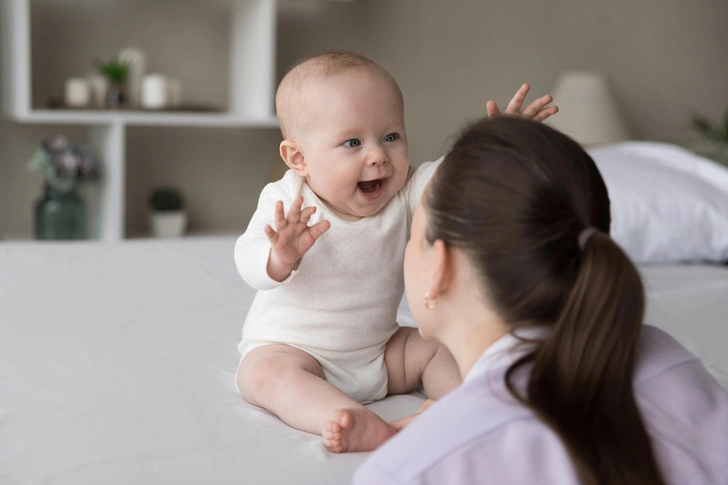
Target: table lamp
x: 587, y: 110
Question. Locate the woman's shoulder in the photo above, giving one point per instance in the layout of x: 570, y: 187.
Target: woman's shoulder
x: 473, y: 432
x: 685, y: 409
x: 661, y: 358
x: 657, y: 352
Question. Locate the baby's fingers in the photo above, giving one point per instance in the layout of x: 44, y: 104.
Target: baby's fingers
x: 280, y: 218
x: 545, y: 113
x: 294, y: 213
x: 318, y: 229
x: 306, y: 214
x: 534, y: 108
x: 271, y: 235
x: 514, y: 107
x: 491, y: 108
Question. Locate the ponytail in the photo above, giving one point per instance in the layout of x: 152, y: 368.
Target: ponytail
x: 582, y: 374
x: 515, y: 196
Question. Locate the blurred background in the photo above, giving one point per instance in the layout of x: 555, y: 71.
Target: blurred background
x: 664, y: 61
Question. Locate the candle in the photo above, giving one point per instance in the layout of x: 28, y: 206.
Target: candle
x: 154, y: 92
x: 174, y: 92
x: 77, y: 93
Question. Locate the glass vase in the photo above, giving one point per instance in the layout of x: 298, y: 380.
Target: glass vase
x: 115, y: 95
x: 60, y: 215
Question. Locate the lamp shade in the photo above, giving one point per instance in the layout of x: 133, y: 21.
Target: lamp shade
x: 587, y: 110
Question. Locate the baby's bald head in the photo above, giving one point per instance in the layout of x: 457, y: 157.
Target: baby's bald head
x: 290, y: 97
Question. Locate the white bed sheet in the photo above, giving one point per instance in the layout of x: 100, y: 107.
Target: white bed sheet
x: 117, y: 365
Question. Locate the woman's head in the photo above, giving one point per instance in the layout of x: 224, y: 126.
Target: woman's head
x: 513, y: 195
x: 506, y: 209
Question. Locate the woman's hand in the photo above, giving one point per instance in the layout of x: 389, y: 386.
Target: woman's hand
x: 537, y: 111
x: 401, y: 423
x: 292, y: 237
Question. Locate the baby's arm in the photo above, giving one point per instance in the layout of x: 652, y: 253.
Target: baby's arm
x: 259, y: 264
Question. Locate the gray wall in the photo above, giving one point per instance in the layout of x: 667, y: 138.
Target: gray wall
x: 665, y: 58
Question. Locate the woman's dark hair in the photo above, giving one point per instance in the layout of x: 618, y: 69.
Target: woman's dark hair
x: 515, y: 195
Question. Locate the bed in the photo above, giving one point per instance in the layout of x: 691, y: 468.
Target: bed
x: 117, y: 365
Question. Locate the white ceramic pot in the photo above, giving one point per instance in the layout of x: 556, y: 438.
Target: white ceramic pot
x: 154, y: 92
x: 168, y: 224
x: 78, y: 93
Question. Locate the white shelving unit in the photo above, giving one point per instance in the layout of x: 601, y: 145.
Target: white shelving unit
x: 252, y: 50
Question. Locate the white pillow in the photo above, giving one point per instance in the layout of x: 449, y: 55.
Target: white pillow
x: 668, y: 204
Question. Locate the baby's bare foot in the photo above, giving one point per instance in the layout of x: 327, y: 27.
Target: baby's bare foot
x: 355, y: 430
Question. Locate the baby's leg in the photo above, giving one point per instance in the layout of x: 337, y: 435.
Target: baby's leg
x: 289, y: 383
x: 413, y: 362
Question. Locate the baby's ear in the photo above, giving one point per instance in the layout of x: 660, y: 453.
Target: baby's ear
x: 292, y: 155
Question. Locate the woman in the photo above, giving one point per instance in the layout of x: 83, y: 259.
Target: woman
x: 543, y: 314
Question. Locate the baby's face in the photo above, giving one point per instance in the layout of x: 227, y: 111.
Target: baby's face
x: 354, y: 142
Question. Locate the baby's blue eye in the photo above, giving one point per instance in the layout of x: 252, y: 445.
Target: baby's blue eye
x: 391, y: 137
x: 353, y: 143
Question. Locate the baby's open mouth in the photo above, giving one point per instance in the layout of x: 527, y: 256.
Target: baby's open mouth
x: 370, y: 187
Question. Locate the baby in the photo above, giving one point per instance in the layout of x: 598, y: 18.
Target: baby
x: 321, y: 339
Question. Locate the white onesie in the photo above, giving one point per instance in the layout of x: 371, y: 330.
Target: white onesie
x: 340, y: 303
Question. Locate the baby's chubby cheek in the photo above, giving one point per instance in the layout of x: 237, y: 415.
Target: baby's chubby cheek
x: 330, y: 183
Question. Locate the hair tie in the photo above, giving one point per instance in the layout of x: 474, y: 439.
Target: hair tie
x: 585, y: 235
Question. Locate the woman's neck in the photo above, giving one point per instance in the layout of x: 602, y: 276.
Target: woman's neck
x: 469, y: 345
x: 475, y: 349
x: 472, y: 323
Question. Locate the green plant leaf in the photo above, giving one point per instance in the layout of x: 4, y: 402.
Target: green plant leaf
x: 166, y: 199
x: 705, y: 127
x: 115, y: 71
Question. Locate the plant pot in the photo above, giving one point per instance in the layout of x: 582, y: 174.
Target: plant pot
x: 168, y: 224
x: 115, y: 95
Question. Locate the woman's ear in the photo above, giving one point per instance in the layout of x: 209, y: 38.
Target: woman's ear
x: 439, y: 269
x: 293, y: 156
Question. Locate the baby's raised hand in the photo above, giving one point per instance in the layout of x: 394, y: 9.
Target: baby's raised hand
x: 537, y: 111
x: 292, y: 237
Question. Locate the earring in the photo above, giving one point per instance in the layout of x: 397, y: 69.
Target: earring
x: 430, y: 304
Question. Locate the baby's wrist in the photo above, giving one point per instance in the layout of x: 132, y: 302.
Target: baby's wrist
x: 277, y: 269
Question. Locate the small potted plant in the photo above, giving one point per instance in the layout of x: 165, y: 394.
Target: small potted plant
x: 710, y: 140
x: 167, y: 218
x: 116, y: 72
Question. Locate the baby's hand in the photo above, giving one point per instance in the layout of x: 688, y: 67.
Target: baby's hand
x: 292, y: 237
x: 537, y: 111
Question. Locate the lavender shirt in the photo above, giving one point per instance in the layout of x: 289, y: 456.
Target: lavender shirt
x: 478, y: 434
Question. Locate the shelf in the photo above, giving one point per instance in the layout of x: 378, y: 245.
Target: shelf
x: 251, y: 91
x: 230, y: 234
x: 195, y: 234
x: 141, y: 118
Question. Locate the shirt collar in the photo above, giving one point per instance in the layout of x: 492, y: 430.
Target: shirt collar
x: 506, y: 350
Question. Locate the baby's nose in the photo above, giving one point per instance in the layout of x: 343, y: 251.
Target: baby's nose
x: 378, y: 156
